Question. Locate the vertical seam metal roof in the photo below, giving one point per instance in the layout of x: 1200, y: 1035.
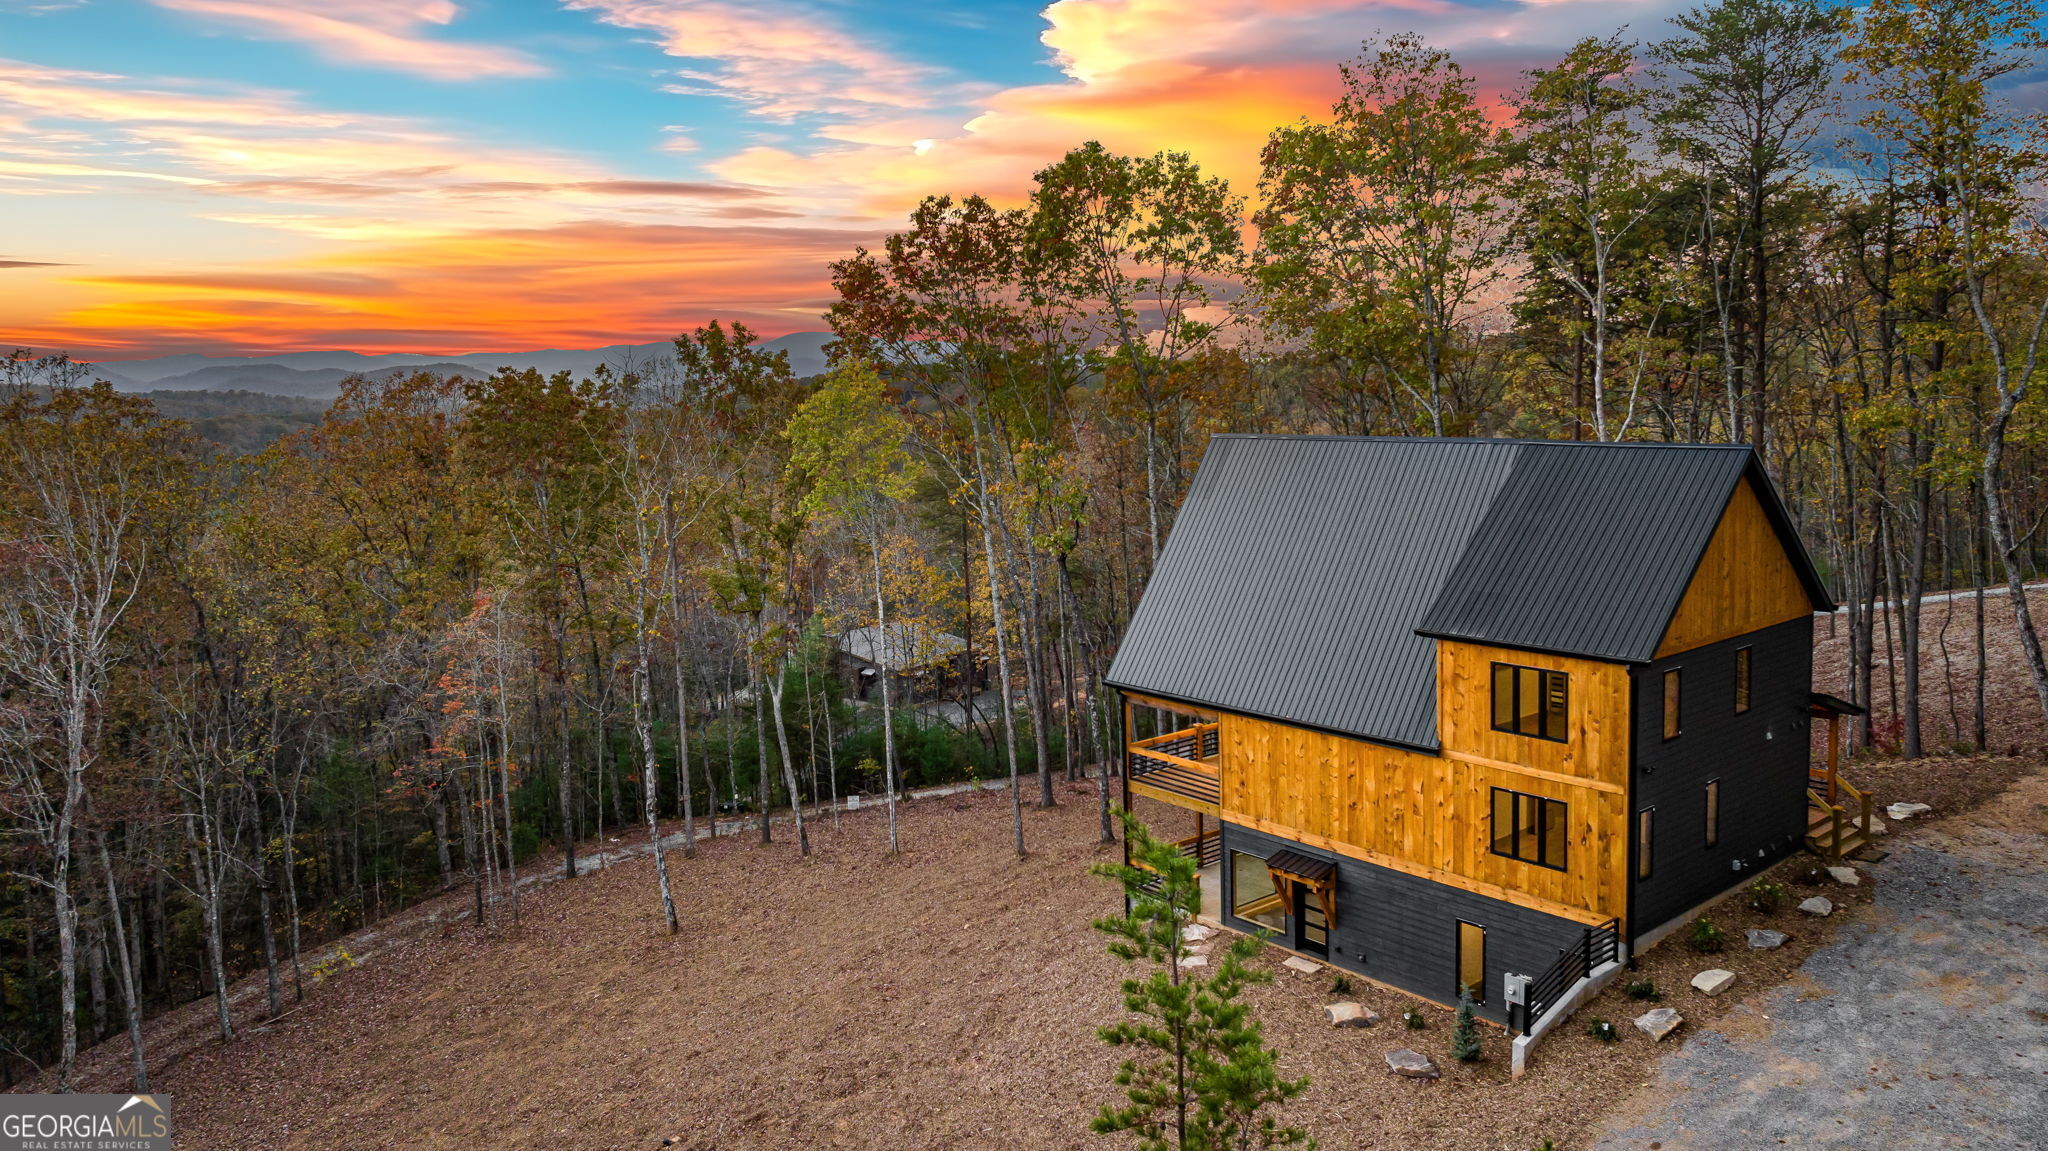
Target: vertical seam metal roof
x: 1306, y: 576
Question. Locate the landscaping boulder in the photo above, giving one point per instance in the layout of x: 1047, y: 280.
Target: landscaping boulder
x: 1305, y: 966
x: 1659, y: 1022
x: 1412, y: 1064
x: 1907, y: 810
x: 1194, y: 961
x: 1764, y: 939
x: 1196, y: 933
x: 1349, y: 1014
x: 1713, y: 981
x: 1818, y: 905
x: 1846, y: 876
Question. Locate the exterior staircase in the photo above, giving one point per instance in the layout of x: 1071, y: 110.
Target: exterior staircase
x: 1838, y: 823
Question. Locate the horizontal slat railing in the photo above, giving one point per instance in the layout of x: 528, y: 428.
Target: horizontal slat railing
x: 1596, y: 946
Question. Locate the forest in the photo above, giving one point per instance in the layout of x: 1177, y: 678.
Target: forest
x: 250, y: 701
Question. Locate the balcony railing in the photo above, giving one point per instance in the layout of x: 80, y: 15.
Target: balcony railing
x: 1181, y: 764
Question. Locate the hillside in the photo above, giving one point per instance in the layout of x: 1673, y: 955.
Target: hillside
x: 318, y: 375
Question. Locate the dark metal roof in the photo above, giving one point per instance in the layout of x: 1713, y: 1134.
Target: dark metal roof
x: 1306, y: 575
x: 1590, y: 547
x: 1307, y: 867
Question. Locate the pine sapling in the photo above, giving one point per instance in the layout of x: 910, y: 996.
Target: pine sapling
x: 1465, y: 1032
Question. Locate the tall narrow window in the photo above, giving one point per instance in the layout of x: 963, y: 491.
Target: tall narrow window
x: 1472, y: 959
x: 1671, y: 704
x: 1530, y: 701
x: 1645, y: 840
x: 1713, y: 812
x: 1528, y: 827
x: 1741, y: 680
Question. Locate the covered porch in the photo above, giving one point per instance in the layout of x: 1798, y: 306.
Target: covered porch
x: 1173, y: 781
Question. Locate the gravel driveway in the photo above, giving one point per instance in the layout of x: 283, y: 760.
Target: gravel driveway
x: 1927, y: 1028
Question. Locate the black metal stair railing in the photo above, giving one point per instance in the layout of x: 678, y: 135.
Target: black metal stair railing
x: 1596, y: 946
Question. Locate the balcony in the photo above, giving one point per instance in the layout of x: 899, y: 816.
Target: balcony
x: 1178, y: 767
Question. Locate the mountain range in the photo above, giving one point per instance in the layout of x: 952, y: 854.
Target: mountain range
x: 318, y: 375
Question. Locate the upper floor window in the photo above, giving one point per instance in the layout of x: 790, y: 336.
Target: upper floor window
x: 1741, y: 680
x: 1529, y: 701
x: 1671, y: 704
x: 1529, y: 828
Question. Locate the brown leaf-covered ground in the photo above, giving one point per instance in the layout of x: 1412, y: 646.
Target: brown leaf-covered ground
x: 945, y: 999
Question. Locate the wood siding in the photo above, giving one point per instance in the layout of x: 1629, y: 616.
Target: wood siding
x: 1401, y: 929
x: 1745, y: 582
x: 1759, y: 756
x: 1430, y: 815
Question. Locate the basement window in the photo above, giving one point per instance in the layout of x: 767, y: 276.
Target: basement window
x: 1529, y: 828
x: 1646, y: 825
x: 1472, y: 960
x: 1253, y: 895
x: 1529, y: 701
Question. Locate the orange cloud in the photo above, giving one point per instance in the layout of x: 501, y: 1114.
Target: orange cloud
x: 377, y: 33
x: 575, y: 285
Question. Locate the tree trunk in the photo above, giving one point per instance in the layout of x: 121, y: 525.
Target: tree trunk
x: 131, y: 987
x: 888, y: 718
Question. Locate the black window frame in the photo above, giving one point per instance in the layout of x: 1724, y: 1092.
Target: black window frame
x: 1671, y: 715
x: 1745, y: 663
x: 1711, y: 800
x: 1542, y: 803
x: 1543, y: 689
x: 1458, y: 958
x: 1646, y: 842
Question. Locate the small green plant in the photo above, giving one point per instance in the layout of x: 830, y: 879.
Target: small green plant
x: 1465, y: 1032
x: 1340, y: 986
x: 1546, y: 1145
x: 1603, y: 1031
x: 1766, y: 896
x: 1705, y: 936
x: 341, y: 960
x: 1645, y: 989
x: 1415, y: 1020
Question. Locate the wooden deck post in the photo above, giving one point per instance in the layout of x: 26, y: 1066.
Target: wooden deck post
x: 1834, y: 745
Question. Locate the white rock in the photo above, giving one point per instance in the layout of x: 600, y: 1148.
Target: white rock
x: 1818, y: 905
x: 1194, y: 961
x: 1659, y: 1022
x: 1305, y: 966
x: 1764, y: 939
x: 1907, y: 810
x: 1195, y: 932
x: 1348, y: 1014
x: 1877, y: 827
x: 1413, y: 1064
x: 1846, y: 876
x: 1713, y: 981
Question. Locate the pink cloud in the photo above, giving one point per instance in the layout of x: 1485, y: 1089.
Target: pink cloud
x: 379, y: 33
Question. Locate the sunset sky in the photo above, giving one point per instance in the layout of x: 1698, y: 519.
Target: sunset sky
x: 468, y: 175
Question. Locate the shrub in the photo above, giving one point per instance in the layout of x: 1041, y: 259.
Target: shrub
x: 1603, y: 1031
x: 1644, y: 989
x: 1415, y: 1020
x: 1340, y: 986
x: 1706, y: 936
x: 1465, y: 1032
x: 525, y: 841
x: 1766, y: 896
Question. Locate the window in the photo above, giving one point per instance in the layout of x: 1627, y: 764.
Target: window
x: 1472, y: 959
x: 1671, y: 704
x: 1713, y: 812
x: 1741, y: 680
x: 1529, y: 828
x: 1529, y: 701
x: 1645, y: 839
x: 1252, y: 894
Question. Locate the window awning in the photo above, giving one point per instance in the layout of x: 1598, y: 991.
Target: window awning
x: 1288, y: 868
x: 1821, y: 703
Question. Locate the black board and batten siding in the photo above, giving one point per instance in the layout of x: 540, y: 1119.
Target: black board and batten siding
x: 1402, y: 929
x: 1760, y: 756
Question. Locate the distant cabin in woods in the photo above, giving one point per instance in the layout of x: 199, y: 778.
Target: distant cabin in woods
x: 1479, y: 712
x: 922, y: 662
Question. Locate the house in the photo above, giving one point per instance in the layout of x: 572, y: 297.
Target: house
x: 1478, y: 713
x: 915, y: 658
